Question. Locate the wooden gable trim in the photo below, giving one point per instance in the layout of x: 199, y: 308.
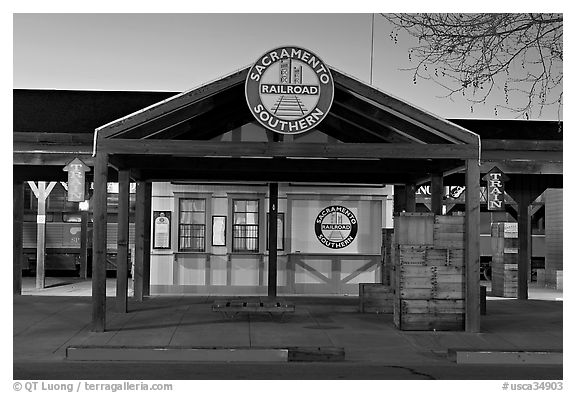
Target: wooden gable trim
x: 431, y: 123
x: 171, y: 104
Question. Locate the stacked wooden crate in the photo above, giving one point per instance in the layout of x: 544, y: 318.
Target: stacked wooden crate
x: 504, y: 266
x: 429, y: 269
x: 376, y: 298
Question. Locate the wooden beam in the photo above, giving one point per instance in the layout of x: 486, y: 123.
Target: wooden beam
x: 522, y: 155
x: 281, y: 149
x: 383, y: 118
x: 472, y: 244
x: 51, y: 148
x: 100, y: 212
x: 140, y: 223
x: 173, y: 103
x: 368, y: 124
x: 356, y: 130
x: 341, y: 130
x: 231, y: 175
x: 85, y: 139
x: 273, y: 240
x: 522, y: 145
x: 526, y: 167
x: 437, y: 191
x: 147, y: 237
x: 46, y: 157
x: 155, y: 127
x: 17, y: 233
x: 122, y: 259
x: 400, y: 108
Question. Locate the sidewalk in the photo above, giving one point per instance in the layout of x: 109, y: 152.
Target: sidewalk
x: 44, y: 326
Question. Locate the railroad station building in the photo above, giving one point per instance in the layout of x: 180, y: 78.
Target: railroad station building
x: 196, y: 192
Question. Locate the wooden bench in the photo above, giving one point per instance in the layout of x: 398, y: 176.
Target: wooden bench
x: 231, y: 308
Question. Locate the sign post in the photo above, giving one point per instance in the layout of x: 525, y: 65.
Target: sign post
x: 76, y: 185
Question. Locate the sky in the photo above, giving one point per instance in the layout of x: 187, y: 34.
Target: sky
x: 177, y: 52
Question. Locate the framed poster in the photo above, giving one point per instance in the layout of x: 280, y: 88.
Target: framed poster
x: 162, y: 226
x: 218, y: 230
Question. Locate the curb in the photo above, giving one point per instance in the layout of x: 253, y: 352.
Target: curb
x: 507, y: 357
x: 207, y: 354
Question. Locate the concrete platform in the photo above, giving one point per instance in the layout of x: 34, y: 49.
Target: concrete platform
x: 46, y: 325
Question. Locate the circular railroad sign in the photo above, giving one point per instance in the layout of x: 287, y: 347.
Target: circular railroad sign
x: 336, y: 227
x: 289, y: 90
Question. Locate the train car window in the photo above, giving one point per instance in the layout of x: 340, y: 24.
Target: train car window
x: 71, y: 217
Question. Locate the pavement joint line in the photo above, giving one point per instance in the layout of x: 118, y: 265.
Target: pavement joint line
x: 178, y: 325
x: 74, y: 335
x: 317, y: 324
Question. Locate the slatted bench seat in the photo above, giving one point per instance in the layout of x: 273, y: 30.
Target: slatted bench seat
x: 232, y: 308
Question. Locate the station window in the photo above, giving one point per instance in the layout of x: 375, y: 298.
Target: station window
x: 192, y: 225
x: 245, y: 231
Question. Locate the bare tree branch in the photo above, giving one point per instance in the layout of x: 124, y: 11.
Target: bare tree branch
x: 473, y: 54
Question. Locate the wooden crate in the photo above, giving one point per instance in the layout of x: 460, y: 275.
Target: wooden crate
x: 448, y: 232
x: 414, y: 229
x: 376, y: 298
x: 429, y: 278
x: 411, y: 255
x: 444, y: 322
x: 433, y: 306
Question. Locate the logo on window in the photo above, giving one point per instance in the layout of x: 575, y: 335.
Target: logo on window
x: 336, y: 227
x: 289, y: 90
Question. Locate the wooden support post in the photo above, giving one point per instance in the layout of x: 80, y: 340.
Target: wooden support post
x: 17, y: 231
x: 399, y: 199
x: 472, y: 244
x: 273, y: 240
x: 84, y: 245
x: 140, y: 222
x: 524, y: 248
x: 41, y: 192
x: 387, y: 245
x: 147, y: 237
x: 100, y: 212
x: 41, y: 237
x: 411, y: 197
x: 437, y: 191
x: 123, y: 239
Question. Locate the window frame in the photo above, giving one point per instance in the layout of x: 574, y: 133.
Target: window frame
x: 252, y: 198
x: 178, y: 223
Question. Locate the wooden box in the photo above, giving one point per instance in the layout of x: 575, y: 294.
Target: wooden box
x: 429, y: 277
x: 414, y: 229
x: 448, y: 232
x: 376, y: 298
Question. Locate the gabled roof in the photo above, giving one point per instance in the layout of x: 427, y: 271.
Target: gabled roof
x: 359, y: 114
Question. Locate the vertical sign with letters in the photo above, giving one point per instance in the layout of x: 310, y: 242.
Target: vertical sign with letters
x: 76, y: 184
x: 495, y: 189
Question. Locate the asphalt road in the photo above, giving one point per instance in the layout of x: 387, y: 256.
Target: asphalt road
x: 275, y: 371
